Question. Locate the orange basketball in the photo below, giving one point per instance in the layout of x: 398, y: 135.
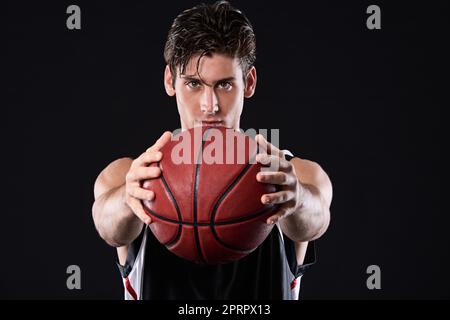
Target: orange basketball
x: 209, y: 210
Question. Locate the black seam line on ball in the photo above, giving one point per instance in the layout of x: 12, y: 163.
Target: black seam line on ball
x: 174, y: 201
x: 197, y: 173
x: 229, y: 246
x: 205, y: 224
x: 219, y: 201
x: 230, y: 187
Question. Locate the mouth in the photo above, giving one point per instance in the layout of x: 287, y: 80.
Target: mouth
x: 217, y: 123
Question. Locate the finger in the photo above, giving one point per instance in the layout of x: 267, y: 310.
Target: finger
x: 141, y: 193
x: 267, y: 146
x: 276, y: 217
x: 142, y: 173
x: 280, y: 178
x: 147, y: 158
x: 282, y: 163
x: 278, y: 197
x: 166, y: 137
x: 136, y: 206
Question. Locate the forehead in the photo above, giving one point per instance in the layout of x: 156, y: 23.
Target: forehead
x: 213, y: 67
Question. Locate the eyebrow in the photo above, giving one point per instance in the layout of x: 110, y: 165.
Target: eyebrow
x: 192, y: 78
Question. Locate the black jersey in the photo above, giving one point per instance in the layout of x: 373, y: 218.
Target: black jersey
x: 153, y: 272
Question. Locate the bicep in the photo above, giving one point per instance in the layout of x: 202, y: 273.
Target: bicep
x: 112, y: 176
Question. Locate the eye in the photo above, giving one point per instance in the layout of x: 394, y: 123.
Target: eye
x: 225, y: 85
x: 193, y: 84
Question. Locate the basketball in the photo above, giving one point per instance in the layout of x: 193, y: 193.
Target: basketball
x: 207, y: 207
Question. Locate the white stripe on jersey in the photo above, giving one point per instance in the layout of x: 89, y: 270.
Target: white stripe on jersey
x: 135, y: 276
x: 296, y: 289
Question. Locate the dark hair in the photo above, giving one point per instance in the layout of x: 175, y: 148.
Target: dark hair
x: 206, y: 29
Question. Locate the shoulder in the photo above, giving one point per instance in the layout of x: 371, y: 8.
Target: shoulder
x: 118, y: 166
x: 113, y: 175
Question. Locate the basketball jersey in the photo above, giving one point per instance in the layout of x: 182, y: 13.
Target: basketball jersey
x: 152, y: 272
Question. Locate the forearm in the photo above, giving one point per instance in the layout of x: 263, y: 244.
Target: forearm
x: 311, y: 218
x: 114, y: 220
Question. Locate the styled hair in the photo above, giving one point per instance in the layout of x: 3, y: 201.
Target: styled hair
x: 206, y: 29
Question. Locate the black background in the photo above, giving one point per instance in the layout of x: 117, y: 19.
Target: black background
x: 365, y: 104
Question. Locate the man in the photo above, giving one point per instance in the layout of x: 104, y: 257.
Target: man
x: 210, y: 52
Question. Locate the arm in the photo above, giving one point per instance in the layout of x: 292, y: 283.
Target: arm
x: 117, y: 211
x: 304, y: 197
x: 114, y: 220
x: 311, y: 217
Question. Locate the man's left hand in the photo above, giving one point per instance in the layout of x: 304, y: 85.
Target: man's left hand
x: 290, y: 195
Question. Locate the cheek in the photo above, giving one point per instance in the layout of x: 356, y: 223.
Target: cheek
x: 187, y: 104
x: 188, y: 97
x: 236, y: 101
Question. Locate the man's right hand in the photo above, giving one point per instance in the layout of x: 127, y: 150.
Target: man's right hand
x: 139, y: 171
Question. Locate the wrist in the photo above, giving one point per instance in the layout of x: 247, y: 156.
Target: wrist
x: 122, y: 197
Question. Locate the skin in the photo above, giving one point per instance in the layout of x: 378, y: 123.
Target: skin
x: 216, y: 92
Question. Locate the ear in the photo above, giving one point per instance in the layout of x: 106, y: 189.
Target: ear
x: 250, y: 86
x: 168, y: 82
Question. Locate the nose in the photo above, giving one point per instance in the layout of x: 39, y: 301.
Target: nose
x: 209, y: 103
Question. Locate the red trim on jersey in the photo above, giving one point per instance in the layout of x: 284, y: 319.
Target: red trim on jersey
x: 294, y: 283
x: 130, y: 289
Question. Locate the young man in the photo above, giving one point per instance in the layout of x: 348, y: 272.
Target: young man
x: 210, y: 52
